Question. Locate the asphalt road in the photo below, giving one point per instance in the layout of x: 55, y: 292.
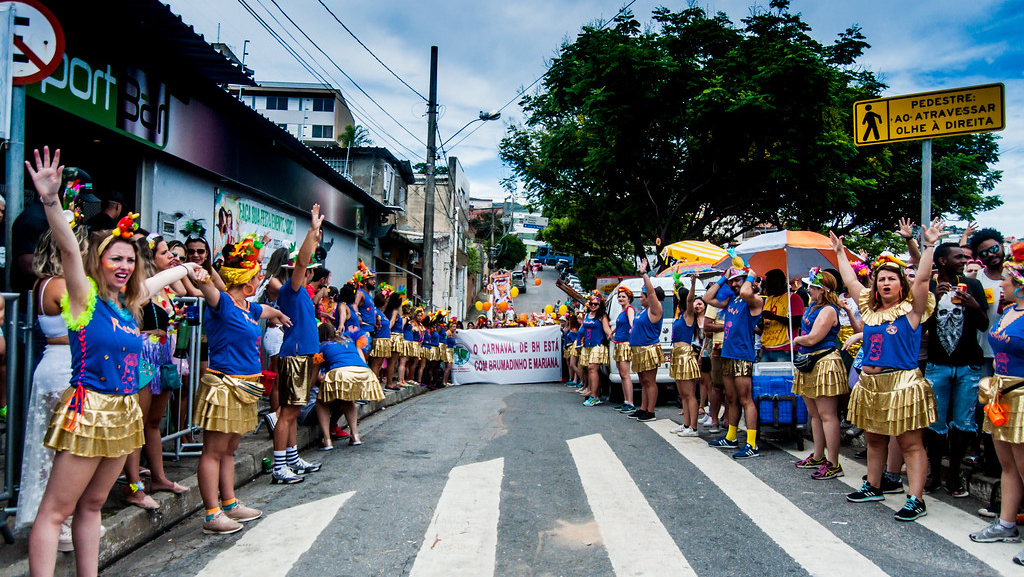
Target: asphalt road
x: 521, y: 480
x: 536, y: 297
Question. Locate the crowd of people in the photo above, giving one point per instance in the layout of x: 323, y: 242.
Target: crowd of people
x: 115, y: 353
x: 915, y: 356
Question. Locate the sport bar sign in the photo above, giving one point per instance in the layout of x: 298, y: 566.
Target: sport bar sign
x: 929, y: 115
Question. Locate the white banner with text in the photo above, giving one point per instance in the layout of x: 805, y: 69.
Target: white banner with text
x: 508, y: 356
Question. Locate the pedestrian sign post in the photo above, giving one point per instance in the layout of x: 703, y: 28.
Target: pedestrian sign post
x: 929, y: 115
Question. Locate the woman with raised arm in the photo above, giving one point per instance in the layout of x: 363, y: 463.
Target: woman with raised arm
x: 684, y: 368
x: 596, y: 333
x: 97, y: 422
x: 822, y: 386
x: 645, y: 346
x: 892, y: 397
x: 227, y: 394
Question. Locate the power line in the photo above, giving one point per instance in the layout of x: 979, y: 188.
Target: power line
x: 399, y: 78
x: 345, y: 74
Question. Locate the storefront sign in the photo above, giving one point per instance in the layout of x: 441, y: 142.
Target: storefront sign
x: 508, y: 356
x: 237, y: 216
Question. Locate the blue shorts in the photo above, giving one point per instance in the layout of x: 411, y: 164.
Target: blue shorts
x: 956, y: 396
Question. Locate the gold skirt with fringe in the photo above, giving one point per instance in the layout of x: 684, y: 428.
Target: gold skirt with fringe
x: 411, y: 349
x: 647, y: 358
x: 1013, y: 430
x: 427, y: 353
x: 350, y: 384
x: 828, y: 379
x: 449, y: 356
x: 622, y: 352
x: 892, y: 403
x: 594, y: 355
x: 576, y: 350
x: 222, y: 407
x: 568, y: 351
x: 684, y: 366
x: 381, y: 348
x: 109, y: 425
x: 398, y: 344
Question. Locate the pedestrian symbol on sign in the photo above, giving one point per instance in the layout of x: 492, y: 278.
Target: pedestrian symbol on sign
x: 871, y: 119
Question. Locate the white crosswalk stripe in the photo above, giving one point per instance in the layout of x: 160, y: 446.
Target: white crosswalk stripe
x: 462, y: 538
x: 809, y: 543
x: 944, y: 520
x: 623, y: 515
x: 271, y: 547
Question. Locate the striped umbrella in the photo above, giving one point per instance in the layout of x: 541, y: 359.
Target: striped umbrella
x: 694, y: 251
x: 793, y: 251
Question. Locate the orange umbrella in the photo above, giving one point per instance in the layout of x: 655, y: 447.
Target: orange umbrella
x: 793, y: 251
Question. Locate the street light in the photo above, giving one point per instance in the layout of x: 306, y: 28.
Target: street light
x: 484, y: 116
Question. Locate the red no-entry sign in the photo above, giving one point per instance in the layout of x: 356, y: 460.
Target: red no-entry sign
x: 37, y: 42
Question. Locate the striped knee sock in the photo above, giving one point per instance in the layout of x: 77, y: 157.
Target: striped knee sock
x: 279, y: 461
x: 292, y: 456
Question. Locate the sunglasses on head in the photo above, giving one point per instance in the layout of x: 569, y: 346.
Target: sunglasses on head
x: 992, y: 250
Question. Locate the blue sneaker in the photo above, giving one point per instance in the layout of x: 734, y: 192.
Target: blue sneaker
x: 618, y: 407
x: 627, y: 408
x: 571, y: 384
x: 746, y: 452
x: 723, y: 443
x: 592, y: 402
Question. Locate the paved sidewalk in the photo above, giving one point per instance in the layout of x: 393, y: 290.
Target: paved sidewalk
x: 130, y: 527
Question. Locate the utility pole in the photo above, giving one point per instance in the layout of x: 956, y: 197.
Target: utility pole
x: 428, y: 189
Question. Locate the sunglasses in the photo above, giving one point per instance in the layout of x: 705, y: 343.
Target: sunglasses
x: 196, y: 251
x: 992, y: 250
x: 593, y: 304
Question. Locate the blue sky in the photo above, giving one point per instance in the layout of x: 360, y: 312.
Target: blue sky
x: 488, y: 51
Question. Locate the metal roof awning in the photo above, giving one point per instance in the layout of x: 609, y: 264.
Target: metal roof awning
x: 398, y: 267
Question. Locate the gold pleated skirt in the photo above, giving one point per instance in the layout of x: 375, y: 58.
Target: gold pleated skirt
x: 350, y: 384
x: 684, y: 366
x: 222, y: 407
x: 892, y: 403
x: 568, y: 351
x: 576, y: 350
x: 109, y: 425
x: 449, y: 357
x: 411, y: 349
x: 398, y: 343
x: 426, y: 353
x: 622, y: 353
x: 828, y: 379
x: 1013, y: 430
x: 845, y: 333
x: 647, y: 358
x: 381, y: 348
x: 594, y: 355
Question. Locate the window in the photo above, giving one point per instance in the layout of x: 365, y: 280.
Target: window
x: 323, y: 105
x: 277, y: 103
x: 323, y: 131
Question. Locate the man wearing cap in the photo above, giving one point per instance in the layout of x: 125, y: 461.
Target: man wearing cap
x: 296, y: 368
x: 110, y: 212
x: 741, y: 314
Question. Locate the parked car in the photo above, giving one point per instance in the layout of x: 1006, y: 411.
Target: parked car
x: 519, y: 281
x: 536, y: 264
x: 561, y: 264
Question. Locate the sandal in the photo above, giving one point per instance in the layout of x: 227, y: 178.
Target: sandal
x: 137, y: 496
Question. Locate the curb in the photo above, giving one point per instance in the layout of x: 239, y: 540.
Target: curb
x: 132, y: 527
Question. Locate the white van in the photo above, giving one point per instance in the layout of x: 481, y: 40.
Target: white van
x: 635, y: 285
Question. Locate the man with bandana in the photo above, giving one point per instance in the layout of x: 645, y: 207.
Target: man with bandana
x: 954, y: 364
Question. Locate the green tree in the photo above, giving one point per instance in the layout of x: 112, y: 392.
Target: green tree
x: 512, y: 251
x: 693, y: 127
x: 355, y: 136
x: 421, y: 168
x: 472, y: 260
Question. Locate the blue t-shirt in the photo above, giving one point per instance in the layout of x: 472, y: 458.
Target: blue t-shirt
x: 593, y: 332
x: 894, y: 345
x: 300, y: 338
x: 1008, y: 346
x: 738, y: 332
x: 568, y: 338
x: 367, y: 312
x: 340, y: 354
x: 450, y: 340
x: 384, y: 332
x: 682, y: 332
x: 807, y: 323
x: 234, y: 337
x: 399, y: 325
x: 622, y: 327
x: 407, y: 333
x: 105, y: 352
x: 645, y: 333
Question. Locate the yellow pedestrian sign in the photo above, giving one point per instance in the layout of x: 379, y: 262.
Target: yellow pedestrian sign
x: 929, y: 115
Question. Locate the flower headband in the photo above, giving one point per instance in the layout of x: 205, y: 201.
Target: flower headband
x: 815, y: 278
x: 364, y: 272
x: 595, y: 296
x: 861, y: 269
x: 386, y: 289
x: 125, y: 229
x: 625, y: 291
x: 888, y: 260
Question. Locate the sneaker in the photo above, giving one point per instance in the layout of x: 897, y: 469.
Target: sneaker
x: 589, y: 402
x: 995, y: 533
x: 285, y: 476
x: 241, y: 513
x: 688, y: 432
x: 747, y: 452
x: 221, y: 524
x: 627, y: 408
x: 1019, y: 558
x: 810, y: 462
x: 635, y: 413
x: 705, y: 420
x: 911, y: 510
x: 618, y: 407
x: 270, y: 420
x: 714, y: 429
x: 862, y: 454
x: 64, y: 542
x: 865, y: 494
x: 890, y: 485
x: 679, y: 429
x: 989, y: 512
x: 338, y: 433
x: 570, y: 384
x: 303, y: 467
x: 828, y: 471
x: 723, y: 443
x: 647, y: 417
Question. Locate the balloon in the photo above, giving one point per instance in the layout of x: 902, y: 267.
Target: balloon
x: 487, y: 306
x: 479, y: 306
x: 522, y: 317
x: 537, y: 282
x: 549, y: 309
x: 515, y: 292
x: 562, y: 309
x: 503, y: 306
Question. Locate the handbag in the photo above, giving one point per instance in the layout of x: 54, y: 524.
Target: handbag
x: 170, y: 379
x: 805, y: 361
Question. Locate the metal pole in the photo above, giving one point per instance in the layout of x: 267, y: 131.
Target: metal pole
x: 428, y: 190
x: 926, y: 182
x: 15, y: 174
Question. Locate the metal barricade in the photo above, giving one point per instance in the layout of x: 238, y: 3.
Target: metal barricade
x: 183, y: 448
x: 18, y: 332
